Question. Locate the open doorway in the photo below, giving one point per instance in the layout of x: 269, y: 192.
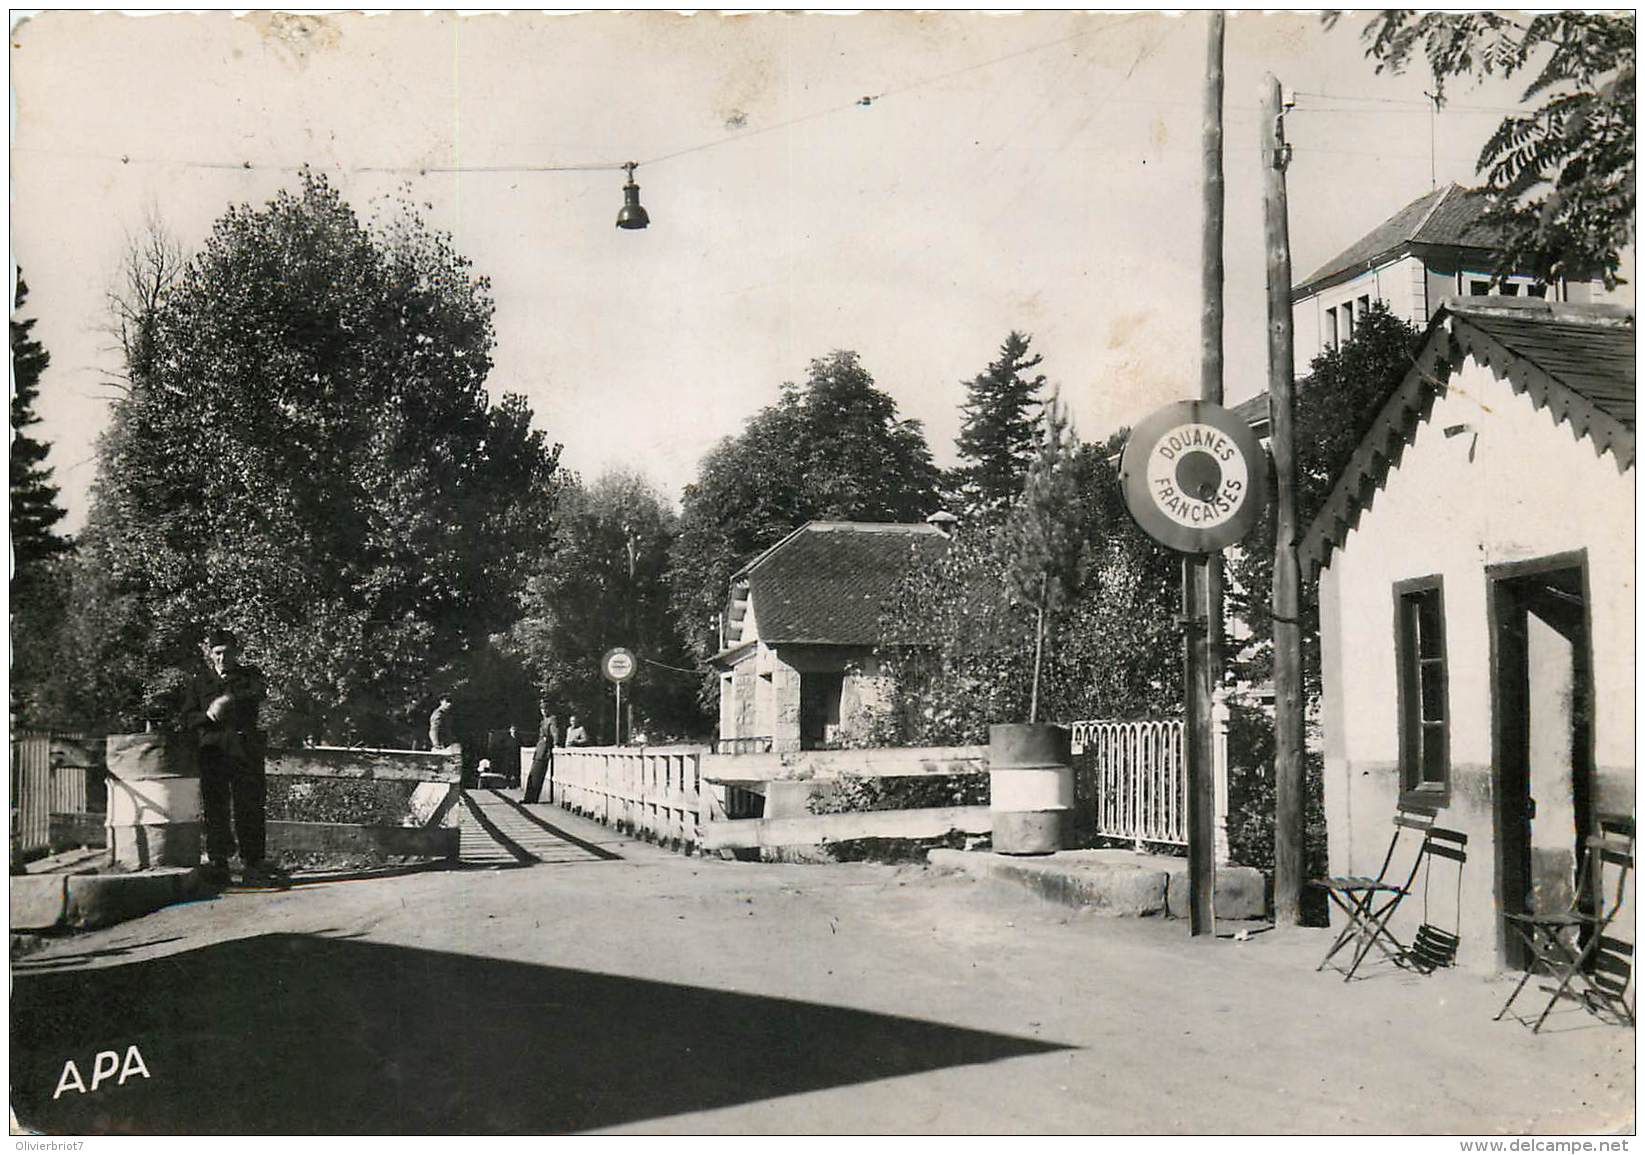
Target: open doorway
x: 819, y: 709
x: 1542, y: 734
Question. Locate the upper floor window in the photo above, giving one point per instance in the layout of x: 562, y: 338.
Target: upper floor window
x: 1330, y: 328
x: 1423, y: 690
x: 1479, y: 285
x: 1348, y: 321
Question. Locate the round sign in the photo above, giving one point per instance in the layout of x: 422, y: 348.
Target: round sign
x: 619, y: 664
x: 1195, y: 476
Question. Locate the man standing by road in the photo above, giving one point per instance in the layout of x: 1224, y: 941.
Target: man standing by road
x: 542, y: 758
x: 442, y: 731
x: 221, y: 704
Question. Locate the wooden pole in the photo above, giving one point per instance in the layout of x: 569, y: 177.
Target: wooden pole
x: 1202, y: 575
x: 1211, y: 320
x: 1287, y: 595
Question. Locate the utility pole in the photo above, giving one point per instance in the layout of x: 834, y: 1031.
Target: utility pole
x: 1202, y: 573
x: 1287, y: 594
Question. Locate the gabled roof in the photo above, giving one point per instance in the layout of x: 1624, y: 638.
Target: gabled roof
x: 826, y: 582
x: 1576, y: 361
x: 1254, y: 412
x: 1452, y: 216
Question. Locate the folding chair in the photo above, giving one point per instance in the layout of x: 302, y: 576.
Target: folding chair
x: 1433, y: 947
x: 1585, y: 963
x: 1368, y: 903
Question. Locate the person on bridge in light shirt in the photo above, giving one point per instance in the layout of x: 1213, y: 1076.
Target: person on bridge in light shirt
x: 575, y: 735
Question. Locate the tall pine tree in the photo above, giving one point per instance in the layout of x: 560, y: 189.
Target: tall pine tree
x: 37, y: 551
x: 997, y: 434
x: 34, y: 508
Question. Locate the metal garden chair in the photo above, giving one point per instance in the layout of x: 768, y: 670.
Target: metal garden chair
x: 1369, y: 903
x: 1572, y: 946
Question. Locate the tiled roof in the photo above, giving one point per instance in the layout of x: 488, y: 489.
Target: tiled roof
x: 1575, y: 361
x: 826, y: 582
x: 1448, y: 216
x: 1254, y: 412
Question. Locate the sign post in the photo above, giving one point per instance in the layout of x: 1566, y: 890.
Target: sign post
x: 618, y: 665
x: 1195, y: 479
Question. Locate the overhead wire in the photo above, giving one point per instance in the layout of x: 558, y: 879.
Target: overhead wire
x: 864, y: 101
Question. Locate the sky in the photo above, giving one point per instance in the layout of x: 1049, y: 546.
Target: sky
x: 1039, y: 172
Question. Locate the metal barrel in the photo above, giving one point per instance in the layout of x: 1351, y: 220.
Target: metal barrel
x: 1030, y: 786
x: 154, y: 800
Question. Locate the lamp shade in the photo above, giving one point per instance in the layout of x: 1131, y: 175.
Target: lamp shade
x: 633, y: 214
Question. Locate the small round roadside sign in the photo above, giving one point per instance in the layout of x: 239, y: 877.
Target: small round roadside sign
x: 1195, y: 476
x: 619, y: 665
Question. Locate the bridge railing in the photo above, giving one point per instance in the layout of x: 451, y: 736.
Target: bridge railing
x: 657, y: 791
x: 691, y: 797
x: 56, y: 784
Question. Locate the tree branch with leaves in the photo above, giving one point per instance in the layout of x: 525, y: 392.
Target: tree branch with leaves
x: 1561, y: 173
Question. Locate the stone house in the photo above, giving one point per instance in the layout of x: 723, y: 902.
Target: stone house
x: 798, y: 635
x: 1476, y: 564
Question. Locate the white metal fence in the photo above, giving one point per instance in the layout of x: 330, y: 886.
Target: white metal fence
x: 46, y: 779
x: 1140, y: 778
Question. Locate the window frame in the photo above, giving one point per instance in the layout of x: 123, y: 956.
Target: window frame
x: 1412, y: 727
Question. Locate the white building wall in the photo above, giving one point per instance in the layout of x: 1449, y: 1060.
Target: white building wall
x: 1508, y: 486
x: 1399, y: 284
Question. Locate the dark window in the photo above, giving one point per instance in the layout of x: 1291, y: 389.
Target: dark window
x: 1348, y: 321
x: 1510, y: 289
x: 1538, y: 291
x: 1479, y: 288
x: 1330, y: 328
x: 1424, y: 705
x: 1364, y: 305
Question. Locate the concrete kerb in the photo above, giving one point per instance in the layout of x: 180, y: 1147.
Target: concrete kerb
x: 87, y: 901
x: 1117, y: 882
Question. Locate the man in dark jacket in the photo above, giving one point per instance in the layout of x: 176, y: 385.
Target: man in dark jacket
x: 542, y: 758
x: 221, y: 704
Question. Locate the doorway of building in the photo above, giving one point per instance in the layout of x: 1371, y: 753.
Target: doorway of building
x: 819, y: 708
x: 1543, y: 735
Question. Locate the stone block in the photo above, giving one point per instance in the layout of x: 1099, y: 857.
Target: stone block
x: 793, y: 799
x: 95, y: 900
x: 37, y: 901
x: 1241, y: 893
x: 1120, y: 885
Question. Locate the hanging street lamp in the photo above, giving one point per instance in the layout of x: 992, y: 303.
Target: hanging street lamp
x: 633, y: 215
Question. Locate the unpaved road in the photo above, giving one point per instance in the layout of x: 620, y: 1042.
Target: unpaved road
x: 656, y: 993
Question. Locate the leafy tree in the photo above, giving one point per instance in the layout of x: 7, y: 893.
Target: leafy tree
x: 306, y: 452
x: 603, y: 585
x: 956, y: 646
x: 960, y: 643
x: 34, y: 507
x: 1042, y: 539
x: 1119, y: 648
x: 997, y: 433
x: 834, y: 449
x: 1335, y: 405
x: 1563, y: 171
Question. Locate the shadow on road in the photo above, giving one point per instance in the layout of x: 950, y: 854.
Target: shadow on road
x: 281, y: 1034
x: 559, y: 832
